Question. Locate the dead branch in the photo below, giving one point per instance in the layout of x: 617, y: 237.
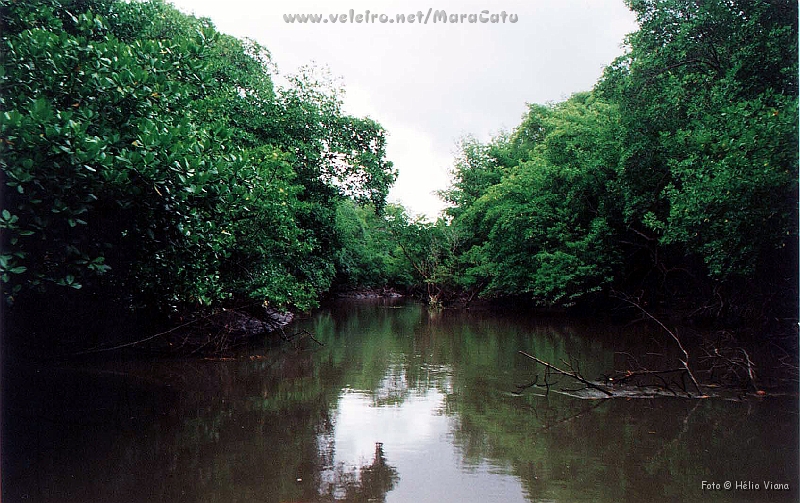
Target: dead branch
x: 522, y: 387
x: 573, y: 417
x: 731, y: 363
x: 300, y: 334
x: 629, y: 374
x: 685, y: 360
x: 574, y: 375
x: 140, y: 341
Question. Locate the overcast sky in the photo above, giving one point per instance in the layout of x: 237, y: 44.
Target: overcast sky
x: 430, y: 84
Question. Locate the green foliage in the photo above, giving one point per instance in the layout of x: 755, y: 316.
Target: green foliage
x: 709, y: 94
x: 732, y: 195
x: 682, y: 160
x: 475, y: 170
x: 362, y: 260
x: 423, y: 251
x: 394, y: 249
x: 145, y: 152
x: 547, y: 221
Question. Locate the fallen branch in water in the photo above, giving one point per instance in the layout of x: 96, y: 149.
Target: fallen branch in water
x: 574, y: 375
x: 213, y: 333
x: 645, y: 378
x: 301, y: 334
x: 572, y: 417
x: 728, y: 362
x: 140, y: 341
x: 685, y: 360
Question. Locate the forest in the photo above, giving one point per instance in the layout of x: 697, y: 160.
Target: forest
x: 153, y: 170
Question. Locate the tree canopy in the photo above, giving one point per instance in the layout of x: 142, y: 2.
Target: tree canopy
x: 150, y: 160
x: 148, y: 155
x: 676, y: 175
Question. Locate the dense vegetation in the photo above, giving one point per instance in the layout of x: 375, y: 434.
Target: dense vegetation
x: 674, y: 179
x: 150, y: 159
x: 149, y: 162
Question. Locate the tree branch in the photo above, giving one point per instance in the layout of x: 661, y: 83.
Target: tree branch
x: 573, y: 374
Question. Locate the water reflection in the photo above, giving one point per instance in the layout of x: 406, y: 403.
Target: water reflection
x: 365, y: 483
x: 398, y: 406
x: 416, y: 435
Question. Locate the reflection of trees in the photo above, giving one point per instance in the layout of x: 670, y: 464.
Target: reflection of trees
x: 366, y: 483
x: 260, y: 429
x: 244, y: 429
x: 565, y: 449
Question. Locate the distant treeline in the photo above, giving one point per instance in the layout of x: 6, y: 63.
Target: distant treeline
x: 149, y: 162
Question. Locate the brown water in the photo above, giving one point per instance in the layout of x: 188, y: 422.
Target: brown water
x: 399, y: 405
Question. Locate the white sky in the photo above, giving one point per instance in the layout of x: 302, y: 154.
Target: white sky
x: 430, y: 84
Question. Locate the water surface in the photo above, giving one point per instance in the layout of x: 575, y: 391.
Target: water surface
x: 399, y: 405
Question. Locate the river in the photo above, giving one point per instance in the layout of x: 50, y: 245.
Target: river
x: 396, y: 404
